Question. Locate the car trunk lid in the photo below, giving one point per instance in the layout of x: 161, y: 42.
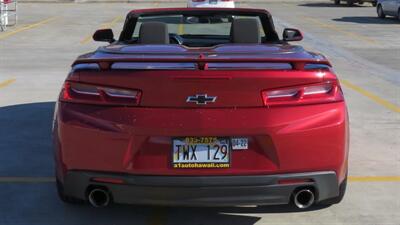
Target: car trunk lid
x: 225, y: 76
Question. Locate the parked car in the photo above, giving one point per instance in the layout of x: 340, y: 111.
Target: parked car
x: 388, y: 8
x: 352, y: 2
x: 212, y: 3
x: 224, y: 113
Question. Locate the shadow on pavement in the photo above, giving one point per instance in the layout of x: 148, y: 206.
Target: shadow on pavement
x: 367, y: 20
x: 25, y: 139
x: 26, y: 150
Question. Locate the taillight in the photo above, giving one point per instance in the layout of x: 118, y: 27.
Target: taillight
x: 302, y: 95
x: 94, y: 94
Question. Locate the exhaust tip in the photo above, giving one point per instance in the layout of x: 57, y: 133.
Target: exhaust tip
x: 99, y: 197
x: 304, y: 198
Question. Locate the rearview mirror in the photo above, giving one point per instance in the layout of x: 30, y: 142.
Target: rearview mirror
x: 105, y: 35
x: 290, y: 34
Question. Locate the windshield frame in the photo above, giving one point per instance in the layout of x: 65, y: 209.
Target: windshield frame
x: 265, y: 18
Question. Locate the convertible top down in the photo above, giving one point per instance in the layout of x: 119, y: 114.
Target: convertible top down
x: 201, y: 106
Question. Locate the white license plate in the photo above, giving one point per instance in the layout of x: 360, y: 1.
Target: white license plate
x: 201, y: 152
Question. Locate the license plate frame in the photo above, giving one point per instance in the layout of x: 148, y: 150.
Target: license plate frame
x: 210, y: 152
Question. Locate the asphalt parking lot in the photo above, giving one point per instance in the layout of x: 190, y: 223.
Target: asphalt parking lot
x: 34, y: 60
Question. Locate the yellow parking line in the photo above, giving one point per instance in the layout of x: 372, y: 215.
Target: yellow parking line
x: 336, y: 28
x: 103, y: 26
x: 7, y: 82
x: 160, y: 212
x: 371, y: 96
x: 181, y: 29
x: 27, y: 27
x: 375, y: 179
x: 27, y: 179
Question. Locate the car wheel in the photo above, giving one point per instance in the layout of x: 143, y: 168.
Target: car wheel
x: 65, y: 198
x: 337, y: 2
x: 381, y: 14
x: 350, y: 3
x: 398, y: 14
x: 339, y: 198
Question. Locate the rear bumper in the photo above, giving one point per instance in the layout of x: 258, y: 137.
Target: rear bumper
x: 203, y: 190
x: 137, y: 141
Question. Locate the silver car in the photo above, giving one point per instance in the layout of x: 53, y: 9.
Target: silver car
x: 388, y: 8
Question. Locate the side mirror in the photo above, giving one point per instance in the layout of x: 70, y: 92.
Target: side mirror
x: 290, y: 34
x: 105, y: 35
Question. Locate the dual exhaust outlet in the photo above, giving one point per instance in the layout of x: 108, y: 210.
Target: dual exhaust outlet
x: 101, y: 197
x: 304, y: 198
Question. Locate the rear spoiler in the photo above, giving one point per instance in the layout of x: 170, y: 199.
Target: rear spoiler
x: 204, y: 63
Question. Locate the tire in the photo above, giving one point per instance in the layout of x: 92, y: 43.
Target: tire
x: 64, y: 198
x: 398, y: 14
x: 337, y: 2
x: 350, y: 2
x: 338, y: 199
x: 380, y: 12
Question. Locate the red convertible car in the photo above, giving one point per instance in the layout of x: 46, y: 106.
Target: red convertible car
x: 201, y: 107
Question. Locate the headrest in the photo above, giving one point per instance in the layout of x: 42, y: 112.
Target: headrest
x: 246, y: 31
x: 153, y: 33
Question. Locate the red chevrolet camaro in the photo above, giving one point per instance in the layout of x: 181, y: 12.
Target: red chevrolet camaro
x: 201, y: 107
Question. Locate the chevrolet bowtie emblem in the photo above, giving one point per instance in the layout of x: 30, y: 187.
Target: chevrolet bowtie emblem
x: 201, y: 99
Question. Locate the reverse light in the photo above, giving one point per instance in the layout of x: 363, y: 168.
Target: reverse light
x: 303, y: 95
x: 94, y: 94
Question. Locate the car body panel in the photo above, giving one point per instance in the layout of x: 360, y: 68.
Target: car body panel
x: 390, y: 7
x: 138, y: 140
x: 309, y: 140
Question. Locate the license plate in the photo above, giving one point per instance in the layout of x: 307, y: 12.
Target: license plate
x: 201, y: 152
x: 213, y: 1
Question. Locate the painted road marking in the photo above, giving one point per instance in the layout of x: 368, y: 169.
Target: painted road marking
x: 27, y: 27
x: 336, y: 28
x: 181, y: 29
x: 34, y: 180
x: 371, y: 96
x: 7, y: 82
x: 103, y: 26
x: 375, y: 179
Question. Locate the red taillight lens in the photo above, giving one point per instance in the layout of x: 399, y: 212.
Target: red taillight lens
x: 94, y: 94
x: 302, y: 95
